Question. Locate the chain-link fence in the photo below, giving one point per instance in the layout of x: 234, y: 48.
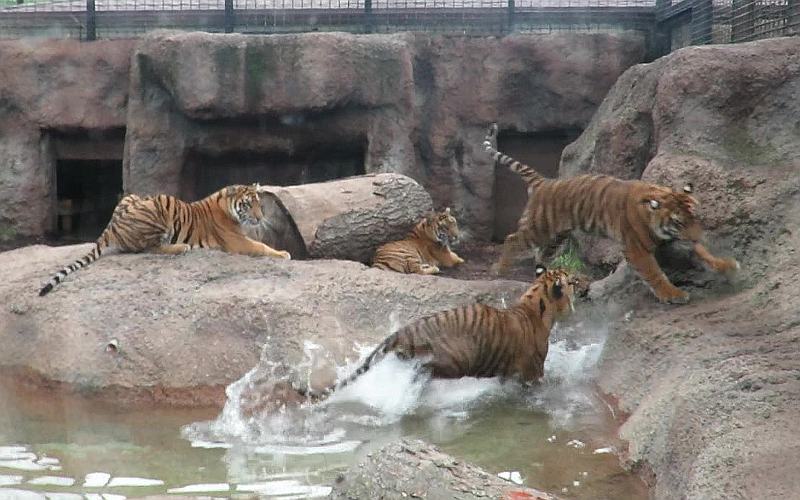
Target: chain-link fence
x: 91, y: 19
x: 695, y: 22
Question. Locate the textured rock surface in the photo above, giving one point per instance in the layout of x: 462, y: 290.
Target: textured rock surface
x: 710, y: 389
x: 50, y: 86
x: 415, y: 469
x: 187, y: 326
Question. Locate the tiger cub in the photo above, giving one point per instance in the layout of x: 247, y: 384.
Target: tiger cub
x: 424, y: 249
x: 479, y: 340
x: 635, y: 213
x: 165, y: 224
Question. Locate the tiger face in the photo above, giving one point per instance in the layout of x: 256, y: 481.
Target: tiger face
x: 552, y: 290
x: 245, y: 204
x: 671, y: 214
x: 442, y: 228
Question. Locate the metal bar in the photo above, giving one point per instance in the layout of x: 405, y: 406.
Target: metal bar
x: 91, y: 21
x: 230, y: 21
x: 511, y: 14
x: 702, y: 17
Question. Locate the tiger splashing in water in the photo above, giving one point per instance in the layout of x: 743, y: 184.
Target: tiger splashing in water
x: 478, y: 340
x: 167, y: 225
x: 635, y: 213
x: 424, y: 249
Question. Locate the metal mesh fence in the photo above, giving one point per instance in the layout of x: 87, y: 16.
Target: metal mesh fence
x: 693, y: 22
x: 89, y: 19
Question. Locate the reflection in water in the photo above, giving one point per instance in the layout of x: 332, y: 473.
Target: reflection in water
x: 555, y: 436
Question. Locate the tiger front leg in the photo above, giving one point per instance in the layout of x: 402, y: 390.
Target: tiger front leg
x: 247, y: 246
x: 646, y: 265
x: 449, y: 258
x: 418, y: 267
x: 724, y: 266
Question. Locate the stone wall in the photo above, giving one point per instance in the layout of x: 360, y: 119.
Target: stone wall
x: 409, y: 103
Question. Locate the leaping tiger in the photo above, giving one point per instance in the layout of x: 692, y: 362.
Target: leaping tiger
x: 635, y: 213
x: 165, y: 224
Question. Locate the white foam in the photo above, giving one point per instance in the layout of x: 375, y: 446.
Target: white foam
x: 201, y: 488
x: 12, y: 494
x: 47, y: 461
x: 16, y: 453
x: 96, y: 479
x: 198, y: 443
x: 27, y: 465
x: 109, y: 496
x: 342, y: 447
x: 289, y: 487
x: 10, y: 480
x: 607, y: 449
x: 53, y: 481
x: 63, y: 496
x: 134, y: 481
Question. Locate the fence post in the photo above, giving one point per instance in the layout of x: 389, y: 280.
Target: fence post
x: 742, y: 25
x: 367, y: 16
x: 792, y: 17
x: 91, y: 21
x: 702, y: 19
x: 511, y: 9
x: 229, y: 16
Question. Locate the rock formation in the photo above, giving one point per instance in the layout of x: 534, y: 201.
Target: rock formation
x: 710, y: 389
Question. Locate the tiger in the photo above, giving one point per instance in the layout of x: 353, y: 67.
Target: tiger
x: 637, y: 214
x: 478, y: 340
x: 164, y: 224
x: 425, y: 248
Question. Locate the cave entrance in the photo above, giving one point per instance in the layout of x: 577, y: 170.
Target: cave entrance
x: 88, y: 183
x: 205, y: 173
x: 541, y: 150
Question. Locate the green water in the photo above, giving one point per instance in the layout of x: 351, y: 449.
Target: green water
x: 528, y: 434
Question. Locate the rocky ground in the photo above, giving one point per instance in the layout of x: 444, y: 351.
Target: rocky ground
x: 707, y: 392
x: 179, y: 329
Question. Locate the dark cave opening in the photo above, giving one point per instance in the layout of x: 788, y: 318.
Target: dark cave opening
x: 540, y: 150
x: 204, y: 173
x: 87, y: 192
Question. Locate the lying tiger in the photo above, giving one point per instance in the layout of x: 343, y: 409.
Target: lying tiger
x: 165, y: 224
x: 424, y: 249
x: 635, y: 213
x: 479, y: 340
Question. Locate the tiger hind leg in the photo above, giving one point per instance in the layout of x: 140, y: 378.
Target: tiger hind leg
x: 173, y: 249
x: 416, y: 266
x: 514, y: 244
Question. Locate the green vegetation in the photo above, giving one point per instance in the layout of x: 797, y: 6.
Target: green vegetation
x: 569, y: 258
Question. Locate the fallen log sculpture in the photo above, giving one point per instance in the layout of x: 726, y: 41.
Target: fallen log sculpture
x: 343, y: 219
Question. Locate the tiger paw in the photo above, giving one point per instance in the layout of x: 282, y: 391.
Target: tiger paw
x: 729, y: 267
x: 675, y: 296
x: 428, y: 269
x: 284, y: 255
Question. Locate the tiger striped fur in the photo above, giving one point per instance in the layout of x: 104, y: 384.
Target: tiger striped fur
x: 424, y: 249
x: 165, y: 224
x: 635, y: 213
x: 478, y: 340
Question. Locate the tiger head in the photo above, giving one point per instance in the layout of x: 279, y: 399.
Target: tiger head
x: 244, y: 203
x: 671, y: 214
x: 441, y: 227
x: 552, y: 290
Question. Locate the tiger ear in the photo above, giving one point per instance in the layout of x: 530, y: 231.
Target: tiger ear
x: 447, y: 211
x: 688, y: 188
x: 540, y: 270
x: 654, y: 204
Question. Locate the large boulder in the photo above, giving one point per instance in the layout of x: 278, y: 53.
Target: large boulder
x: 710, y: 389
x: 416, y: 469
x: 178, y: 330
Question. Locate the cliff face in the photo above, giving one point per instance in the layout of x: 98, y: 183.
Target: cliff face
x: 202, y: 110
x: 711, y: 387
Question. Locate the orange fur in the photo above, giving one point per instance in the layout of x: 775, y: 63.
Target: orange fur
x: 424, y: 249
x: 637, y: 214
x: 481, y: 341
x: 165, y: 224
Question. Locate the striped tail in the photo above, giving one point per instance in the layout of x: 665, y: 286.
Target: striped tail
x: 376, y: 355
x: 528, y: 174
x: 78, y: 264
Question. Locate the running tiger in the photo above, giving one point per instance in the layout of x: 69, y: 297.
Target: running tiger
x: 165, y: 224
x: 426, y: 247
x: 635, y: 213
x: 479, y: 340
